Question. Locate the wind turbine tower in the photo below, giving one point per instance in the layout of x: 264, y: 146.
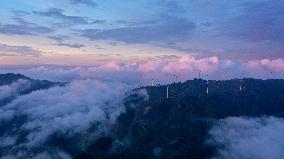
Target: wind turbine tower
x: 168, y: 91
x: 241, y: 84
x: 175, y: 78
x: 207, y: 90
x: 270, y: 74
x: 152, y: 82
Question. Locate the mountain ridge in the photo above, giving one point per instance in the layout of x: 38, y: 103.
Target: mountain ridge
x: 24, y: 85
x: 177, y: 127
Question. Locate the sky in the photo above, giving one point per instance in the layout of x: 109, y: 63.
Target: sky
x: 95, y: 32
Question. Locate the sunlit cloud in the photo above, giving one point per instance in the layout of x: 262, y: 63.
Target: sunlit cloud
x: 185, y: 67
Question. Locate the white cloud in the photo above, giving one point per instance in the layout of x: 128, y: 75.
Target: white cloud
x: 8, y: 50
x: 69, y: 110
x: 7, y: 141
x: 249, y: 138
x: 7, y: 91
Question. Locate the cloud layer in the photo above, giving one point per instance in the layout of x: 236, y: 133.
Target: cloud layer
x: 9, y: 50
x: 58, y: 14
x: 90, y: 3
x: 7, y: 91
x: 162, y: 71
x: 81, y: 108
x: 167, y: 29
x: 249, y: 138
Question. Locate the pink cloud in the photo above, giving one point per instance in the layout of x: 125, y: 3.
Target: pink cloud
x: 274, y: 65
x: 162, y: 70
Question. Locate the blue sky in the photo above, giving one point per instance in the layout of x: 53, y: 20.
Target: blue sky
x: 78, y: 32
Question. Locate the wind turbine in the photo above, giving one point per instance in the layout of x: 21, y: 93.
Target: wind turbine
x: 175, y: 78
x: 241, y: 84
x: 269, y: 75
x: 207, y: 90
x: 168, y: 91
x: 152, y: 82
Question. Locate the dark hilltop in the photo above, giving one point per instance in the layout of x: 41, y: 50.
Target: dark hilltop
x: 177, y: 127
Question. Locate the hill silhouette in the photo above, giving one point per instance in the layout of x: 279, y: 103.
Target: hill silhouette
x: 9, y: 78
x: 22, y: 85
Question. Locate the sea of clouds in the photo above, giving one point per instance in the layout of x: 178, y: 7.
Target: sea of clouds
x: 11, y: 90
x: 91, y: 101
x: 248, y: 138
x: 162, y: 71
x: 78, y: 107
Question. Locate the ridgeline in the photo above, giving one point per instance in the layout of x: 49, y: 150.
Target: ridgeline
x: 177, y: 127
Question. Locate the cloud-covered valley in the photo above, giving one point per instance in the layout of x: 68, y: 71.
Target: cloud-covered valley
x: 81, y: 109
x: 249, y: 138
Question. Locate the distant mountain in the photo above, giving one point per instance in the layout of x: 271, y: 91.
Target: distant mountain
x: 9, y: 78
x: 177, y: 127
x: 14, y: 85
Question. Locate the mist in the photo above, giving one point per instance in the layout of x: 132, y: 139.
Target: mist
x: 81, y: 108
x: 248, y: 138
x: 6, y: 91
